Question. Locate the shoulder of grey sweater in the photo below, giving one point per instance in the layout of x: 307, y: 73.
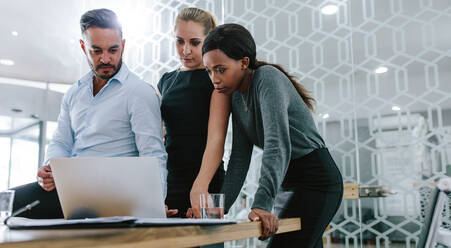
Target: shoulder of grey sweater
x: 270, y: 77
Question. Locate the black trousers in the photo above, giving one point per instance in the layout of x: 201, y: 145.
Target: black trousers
x: 312, y: 190
x: 48, y: 208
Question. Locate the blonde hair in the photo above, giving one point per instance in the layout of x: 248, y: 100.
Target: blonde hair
x: 197, y: 15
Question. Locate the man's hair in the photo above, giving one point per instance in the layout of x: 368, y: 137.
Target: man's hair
x: 102, y: 18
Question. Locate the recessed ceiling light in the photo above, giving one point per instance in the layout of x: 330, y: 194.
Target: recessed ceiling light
x: 381, y: 69
x: 325, y: 116
x: 17, y: 110
x: 6, y: 62
x: 14, y: 33
x: 329, y: 9
x: 395, y: 108
x: 21, y: 82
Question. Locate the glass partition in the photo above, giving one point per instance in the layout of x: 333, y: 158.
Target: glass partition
x: 379, y: 70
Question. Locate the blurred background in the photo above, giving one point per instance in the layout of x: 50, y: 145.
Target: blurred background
x: 380, y: 71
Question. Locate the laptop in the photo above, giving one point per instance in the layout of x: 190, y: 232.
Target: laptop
x: 127, y: 186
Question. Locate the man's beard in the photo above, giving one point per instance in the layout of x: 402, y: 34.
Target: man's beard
x: 106, y: 77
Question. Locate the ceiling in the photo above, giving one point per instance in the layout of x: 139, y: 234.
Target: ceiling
x: 45, y: 48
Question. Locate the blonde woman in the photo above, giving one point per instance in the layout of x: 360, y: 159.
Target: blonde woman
x: 186, y: 94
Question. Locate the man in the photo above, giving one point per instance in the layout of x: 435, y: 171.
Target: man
x: 110, y: 112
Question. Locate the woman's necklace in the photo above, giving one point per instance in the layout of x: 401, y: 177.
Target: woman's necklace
x: 244, y: 102
x: 251, y: 76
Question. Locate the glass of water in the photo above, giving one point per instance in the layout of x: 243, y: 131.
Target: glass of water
x: 6, y: 204
x: 212, y: 206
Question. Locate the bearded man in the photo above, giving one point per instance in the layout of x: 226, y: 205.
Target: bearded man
x: 109, y: 112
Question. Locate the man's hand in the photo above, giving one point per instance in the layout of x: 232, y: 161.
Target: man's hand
x: 170, y: 212
x: 270, y: 222
x: 45, y: 178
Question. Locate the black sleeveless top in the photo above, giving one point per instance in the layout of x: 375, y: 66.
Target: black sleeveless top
x: 185, y: 108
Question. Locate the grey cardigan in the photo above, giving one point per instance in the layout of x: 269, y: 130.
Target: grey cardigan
x: 271, y: 115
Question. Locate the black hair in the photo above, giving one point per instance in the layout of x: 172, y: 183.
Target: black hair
x: 102, y: 18
x: 237, y: 42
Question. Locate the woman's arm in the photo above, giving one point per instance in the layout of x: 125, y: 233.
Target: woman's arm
x: 220, y: 106
x: 274, y: 99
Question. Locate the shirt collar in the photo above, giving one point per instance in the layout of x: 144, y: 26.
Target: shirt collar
x: 120, y: 76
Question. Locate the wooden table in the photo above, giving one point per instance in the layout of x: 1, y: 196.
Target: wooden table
x: 176, y: 236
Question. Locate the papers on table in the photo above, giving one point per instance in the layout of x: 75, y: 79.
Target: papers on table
x: 25, y: 223
x: 117, y: 221
x: 181, y: 222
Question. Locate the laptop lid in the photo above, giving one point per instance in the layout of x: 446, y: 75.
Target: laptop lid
x: 129, y: 186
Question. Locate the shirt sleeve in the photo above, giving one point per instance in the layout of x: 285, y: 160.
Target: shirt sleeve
x: 145, y: 121
x: 238, y: 165
x: 63, y: 138
x: 160, y: 84
x: 273, y: 99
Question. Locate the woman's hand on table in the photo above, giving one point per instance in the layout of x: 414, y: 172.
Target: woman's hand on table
x: 270, y: 222
x: 196, y: 191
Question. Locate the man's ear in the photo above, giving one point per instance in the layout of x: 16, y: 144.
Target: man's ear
x: 83, y: 46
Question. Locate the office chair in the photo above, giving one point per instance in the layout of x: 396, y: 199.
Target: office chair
x: 431, y: 233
